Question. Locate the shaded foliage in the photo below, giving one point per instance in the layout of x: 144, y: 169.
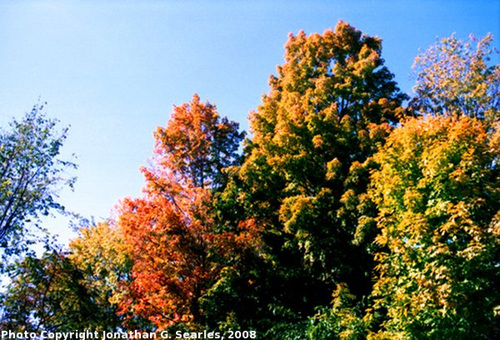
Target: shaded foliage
x: 70, y: 290
x: 48, y: 293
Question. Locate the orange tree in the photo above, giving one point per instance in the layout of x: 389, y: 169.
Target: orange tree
x: 170, y: 231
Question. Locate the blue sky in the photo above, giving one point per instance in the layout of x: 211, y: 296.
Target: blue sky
x: 113, y: 69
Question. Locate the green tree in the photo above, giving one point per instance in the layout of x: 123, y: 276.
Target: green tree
x: 439, y: 199
x: 48, y: 293
x: 457, y: 78
x: 31, y: 173
x: 343, y: 320
x: 78, y: 289
x: 306, y: 170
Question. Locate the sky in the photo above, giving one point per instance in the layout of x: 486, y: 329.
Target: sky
x: 112, y: 70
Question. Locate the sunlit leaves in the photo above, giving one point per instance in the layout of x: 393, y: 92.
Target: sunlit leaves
x: 336, y: 188
x: 197, y: 143
x: 178, y: 252
x: 171, y: 262
x: 105, y: 260
x: 329, y: 107
x: 438, y: 192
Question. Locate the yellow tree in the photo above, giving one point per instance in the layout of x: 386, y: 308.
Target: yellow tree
x: 105, y: 261
x: 76, y: 289
x: 305, y: 175
x: 438, y: 194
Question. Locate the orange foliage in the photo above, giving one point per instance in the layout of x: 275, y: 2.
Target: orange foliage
x: 178, y: 251
x: 172, y: 261
x: 178, y: 254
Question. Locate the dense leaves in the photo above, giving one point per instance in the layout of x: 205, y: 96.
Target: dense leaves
x: 48, y: 293
x: 105, y: 261
x: 307, y: 166
x: 171, y: 230
x: 439, y: 198
x: 65, y: 291
x: 172, y: 267
x: 345, y: 218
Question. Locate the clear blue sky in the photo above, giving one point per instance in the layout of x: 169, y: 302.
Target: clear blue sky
x: 113, y: 69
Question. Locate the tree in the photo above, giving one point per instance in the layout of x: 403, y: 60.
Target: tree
x: 48, y: 293
x: 176, y: 247
x: 197, y: 143
x: 171, y: 266
x: 306, y: 170
x: 30, y: 175
x: 439, y: 199
x: 78, y: 289
x: 456, y: 78
x: 105, y: 261
x: 341, y: 321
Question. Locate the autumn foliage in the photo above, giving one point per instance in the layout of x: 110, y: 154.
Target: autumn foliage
x: 307, y: 167
x: 438, y: 198
x: 350, y: 212
x: 196, y: 145
x: 171, y: 230
x: 172, y: 265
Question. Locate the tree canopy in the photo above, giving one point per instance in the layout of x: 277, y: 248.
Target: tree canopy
x: 349, y: 212
x: 31, y: 173
x: 454, y: 77
x: 438, y: 195
x: 307, y: 165
x: 171, y: 229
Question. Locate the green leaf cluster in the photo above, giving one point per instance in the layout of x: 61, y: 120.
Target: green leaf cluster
x: 31, y: 173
